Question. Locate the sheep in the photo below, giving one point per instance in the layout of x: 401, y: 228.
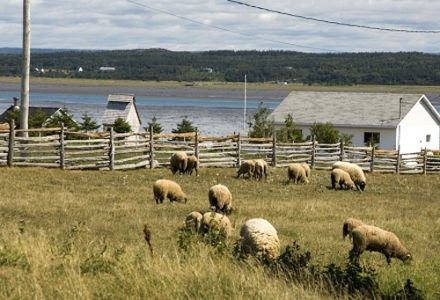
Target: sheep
x: 356, y: 173
x: 372, y: 238
x: 178, y: 162
x: 216, y: 223
x: 192, y: 164
x: 349, y: 225
x: 164, y: 188
x: 339, y: 176
x: 297, y: 173
x: 247, y: 167
x: 306, y: 169
x: 260, y: 169
x: 220, y: 198
x: 260, y: 239
x: 193, y: 221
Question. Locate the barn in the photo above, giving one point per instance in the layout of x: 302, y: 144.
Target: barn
x: 121, y: 106
x: 392, y: 121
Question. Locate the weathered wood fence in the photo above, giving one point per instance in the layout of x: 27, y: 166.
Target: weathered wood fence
x: 59, y: 148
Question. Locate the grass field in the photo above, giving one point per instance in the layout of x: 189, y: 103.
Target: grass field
x: 78, y: 235
x: 411, y: 89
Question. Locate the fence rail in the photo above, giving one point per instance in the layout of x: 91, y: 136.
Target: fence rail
x: 58, y: 148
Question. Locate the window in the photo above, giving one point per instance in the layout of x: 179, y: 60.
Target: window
x: 428, y: 138
x: 371, y: 138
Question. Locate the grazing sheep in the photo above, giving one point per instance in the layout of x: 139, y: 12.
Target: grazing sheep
x: 339, y: 176
x: 192, y: 164
x: 260, y: 239
x: 349, y: 225
x: 193, y: 221
x: 260, y: 169
x: 220, y: 198
x: 297, y: 173
x: 306, y: 168
x: 356, y: 173
x: 216, y: 223
x: 247, y: 167
x: 164, y: 188
x: 372, y: 238
x: 178, y: 162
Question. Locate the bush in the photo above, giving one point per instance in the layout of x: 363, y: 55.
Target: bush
x: 121, y: 126
x: 261, y: 127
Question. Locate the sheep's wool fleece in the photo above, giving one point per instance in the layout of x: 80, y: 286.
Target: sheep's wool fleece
x: 260, y: 238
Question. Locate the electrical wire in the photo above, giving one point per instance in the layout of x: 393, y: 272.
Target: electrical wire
x: 332, y: 22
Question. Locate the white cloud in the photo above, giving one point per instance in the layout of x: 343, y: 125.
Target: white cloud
x: 122, y: 24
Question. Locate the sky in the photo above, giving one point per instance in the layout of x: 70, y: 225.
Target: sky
x: 201, y: 25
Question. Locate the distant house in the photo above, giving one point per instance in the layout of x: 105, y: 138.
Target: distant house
x: 107, y: 69
x: 121, y: 106
x: 406, y: 121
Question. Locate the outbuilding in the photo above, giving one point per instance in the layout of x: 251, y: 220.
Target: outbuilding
x: 121, y: 106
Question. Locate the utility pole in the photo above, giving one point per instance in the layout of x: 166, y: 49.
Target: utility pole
x: 244, y: 108
x: 24, y: 107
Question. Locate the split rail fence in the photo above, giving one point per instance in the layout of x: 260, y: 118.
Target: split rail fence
x: 59, y: 148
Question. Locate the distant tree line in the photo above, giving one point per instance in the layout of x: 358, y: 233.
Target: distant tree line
x: 260, y: 66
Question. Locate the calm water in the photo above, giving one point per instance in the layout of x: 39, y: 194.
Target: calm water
x: 211, y: 116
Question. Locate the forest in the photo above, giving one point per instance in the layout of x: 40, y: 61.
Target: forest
x: 412, y: 68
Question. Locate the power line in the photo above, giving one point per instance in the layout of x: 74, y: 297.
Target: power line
x: 333, y: 22
x: 227, y: 29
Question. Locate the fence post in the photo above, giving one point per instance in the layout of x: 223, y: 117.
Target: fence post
x: 11, y: 143
x: 312, y: 164
x: 196, y: 144
x: 425, y: 161
x: 373, y: 153
x: 341, y: 148
x: 238, y: 150
x: 62, y: 154
x: 151, y: 147
x: 111, y: 151
x: 398, y: 161
x: 274, y: 150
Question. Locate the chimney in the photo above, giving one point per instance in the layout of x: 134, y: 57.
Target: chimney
x: 400, y: 107
x: 16, y: 106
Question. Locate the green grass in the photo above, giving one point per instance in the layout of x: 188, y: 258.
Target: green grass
x: 78, y: 234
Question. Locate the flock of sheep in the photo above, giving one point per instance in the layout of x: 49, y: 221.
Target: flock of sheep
x: 257, y: 236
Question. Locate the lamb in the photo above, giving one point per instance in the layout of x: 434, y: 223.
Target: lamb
x: 372, y: 238
x: 220, y: 198
x: 192, y: 164
x: 164, y: 188
x: 339, y: 176
x: 178, y: 162
x: 306, y: 169
x: 193, y: 221
x: 349, y: 225
x: 216, y: 223
x: 247, y: 167
x: 260, y: 239
x: 260, y: 169
x: 297, y: 173
x: 356, y: 173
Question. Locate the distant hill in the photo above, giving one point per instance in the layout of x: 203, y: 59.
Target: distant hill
x: 412, y: 68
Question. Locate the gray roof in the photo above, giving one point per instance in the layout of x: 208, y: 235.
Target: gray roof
x: 33, y: 110
x: 118, y: 106
x: 346, y: 109
x: 121, y: 98
x: 434, y: 99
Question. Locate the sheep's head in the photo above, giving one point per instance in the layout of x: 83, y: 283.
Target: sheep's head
x: 362, y: 185
x: 407, y: 257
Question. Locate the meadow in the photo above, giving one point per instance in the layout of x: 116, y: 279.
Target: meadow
x: 78, y: 234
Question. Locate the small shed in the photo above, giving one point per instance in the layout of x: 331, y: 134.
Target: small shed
x: 121, y: 106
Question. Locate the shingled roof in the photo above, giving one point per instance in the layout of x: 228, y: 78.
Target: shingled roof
x: 347, y: 109
x: 118, y: 106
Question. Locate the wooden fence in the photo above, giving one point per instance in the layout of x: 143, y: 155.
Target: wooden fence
x: 59, y: 148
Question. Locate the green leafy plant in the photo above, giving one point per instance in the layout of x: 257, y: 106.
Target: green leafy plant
x: 121, y: 126
x: 261, y: 127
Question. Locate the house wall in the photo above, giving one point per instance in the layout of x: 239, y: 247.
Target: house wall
x: 133, y: 120
x: 414, y: 127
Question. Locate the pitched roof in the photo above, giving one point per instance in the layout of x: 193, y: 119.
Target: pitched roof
x: 48, y: 111
x: 434, y: 99
x: 345, y: 109
x: 118, y: 106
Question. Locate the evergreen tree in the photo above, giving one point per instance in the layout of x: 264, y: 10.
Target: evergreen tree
x: 288, y: 133
x: 185, y: 126
x: 87, y: 123
x: 261, y: 127
x: 157, y: 128
x: 121, y: 126
x: 63, y: 117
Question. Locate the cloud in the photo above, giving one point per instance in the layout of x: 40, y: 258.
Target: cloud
x: 124, y: 24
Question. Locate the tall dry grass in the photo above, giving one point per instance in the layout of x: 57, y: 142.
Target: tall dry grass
x: 69, y: 234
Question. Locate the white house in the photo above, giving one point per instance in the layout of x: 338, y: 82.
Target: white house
x: 406, y: 121
x: 121, y: 106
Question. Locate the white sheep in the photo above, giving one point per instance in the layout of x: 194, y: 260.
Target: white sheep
x: 306, y: 169
x: 178, y: 162
x: 193, y: 221
x: 297, y: 173
x: 341, y: 177
x: 216, y: 223
x: 164, y: 188
x: 356, y: 173
x: 247, y: 167
x: 192, y: 164
x: 372, y: 238
x: 349, y: 225
x: 220, y: 198
x: 259, y: 238
x: 260, y: 169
